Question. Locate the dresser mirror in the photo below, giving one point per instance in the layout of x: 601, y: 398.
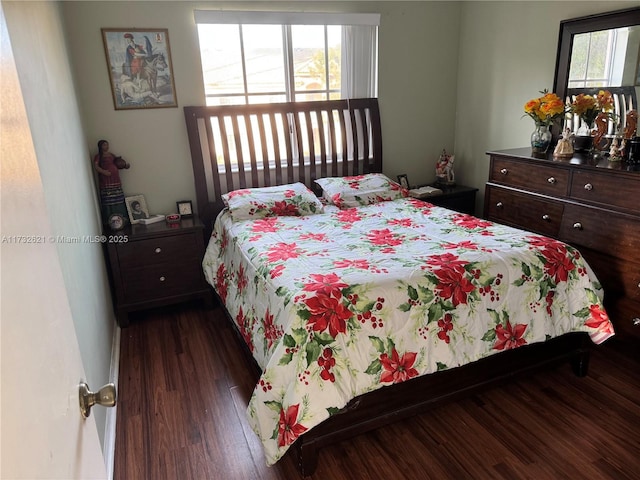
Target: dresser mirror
x: 600, y: 51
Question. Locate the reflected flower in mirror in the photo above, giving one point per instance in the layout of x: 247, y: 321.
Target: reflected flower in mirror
x: 588, y: 107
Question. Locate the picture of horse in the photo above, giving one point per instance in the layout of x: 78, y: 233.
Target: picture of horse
x: 139, y: 62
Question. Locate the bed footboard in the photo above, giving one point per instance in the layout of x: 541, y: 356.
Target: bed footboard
x: 382, y: 407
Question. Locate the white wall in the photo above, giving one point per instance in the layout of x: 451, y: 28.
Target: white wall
x: 42, y: 60
x: 418, y: 52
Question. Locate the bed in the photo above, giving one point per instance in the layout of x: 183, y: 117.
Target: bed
x: 361, y: 306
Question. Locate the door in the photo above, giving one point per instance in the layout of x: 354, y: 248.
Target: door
x: 43, y: 432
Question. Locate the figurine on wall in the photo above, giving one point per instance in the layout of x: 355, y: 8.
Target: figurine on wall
x: 444, y: 170
x: 108, y: 167
x: 564, y: 148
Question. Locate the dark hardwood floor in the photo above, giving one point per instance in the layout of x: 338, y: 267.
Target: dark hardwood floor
x: 184, y: 385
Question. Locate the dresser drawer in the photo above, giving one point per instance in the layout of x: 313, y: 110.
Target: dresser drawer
x: 616, y: 234
x: 619, y: 277
x: 158, y: 250
x: 160, y: 281
x: 609, y: 190
x: 523, y: 211
x: 588, y: 203
x: 538, y: 178
x: 624, y: 312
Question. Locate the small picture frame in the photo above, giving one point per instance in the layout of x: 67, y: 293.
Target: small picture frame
x: 117, y: 222
x: 185, y: 208
x: 136, y: 208
x: 403, y: 180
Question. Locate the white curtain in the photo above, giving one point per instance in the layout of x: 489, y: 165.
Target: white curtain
x: 359, y: 61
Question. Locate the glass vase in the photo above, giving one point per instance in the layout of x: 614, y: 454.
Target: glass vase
x: 583, y: 141
x: 540, y: 139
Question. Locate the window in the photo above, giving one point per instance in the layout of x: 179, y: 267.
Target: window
x: 597, y: 58
x: 263, y: 57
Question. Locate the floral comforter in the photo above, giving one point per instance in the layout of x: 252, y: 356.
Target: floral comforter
x: 337, y: 304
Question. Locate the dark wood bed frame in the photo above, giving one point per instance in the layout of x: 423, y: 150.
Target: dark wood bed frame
x: 241, y: 146
x: 338, y: 138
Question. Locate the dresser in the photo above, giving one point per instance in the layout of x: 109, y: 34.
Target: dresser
x: 155, y: 265
x: 590, y: 204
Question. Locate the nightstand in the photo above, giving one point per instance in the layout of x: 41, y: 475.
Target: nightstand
x: 459, y: 198
x: 157, y: 264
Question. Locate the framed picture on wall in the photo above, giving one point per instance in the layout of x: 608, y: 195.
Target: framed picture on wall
x: 139, y: 65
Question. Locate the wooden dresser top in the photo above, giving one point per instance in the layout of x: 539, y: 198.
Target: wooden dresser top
x: 579, y: 160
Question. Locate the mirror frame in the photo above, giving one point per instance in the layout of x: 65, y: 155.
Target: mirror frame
x: 590, y: 23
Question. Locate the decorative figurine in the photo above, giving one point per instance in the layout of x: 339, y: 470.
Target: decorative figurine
x: 615, y: 155
x: 444, y: 170
x: 623, y: 149
x: 564, y: 148
x: 108, y: 167
x: 631, y: 124
x: 602, y: 124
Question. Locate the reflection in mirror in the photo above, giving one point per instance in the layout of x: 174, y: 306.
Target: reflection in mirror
x: 605, y: 58
x: 600, y: 52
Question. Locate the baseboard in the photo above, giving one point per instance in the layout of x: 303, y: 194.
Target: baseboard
x: 110, y: 427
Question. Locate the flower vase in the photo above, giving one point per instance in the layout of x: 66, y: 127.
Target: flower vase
x: 540, y: 139
x: 583, y: 143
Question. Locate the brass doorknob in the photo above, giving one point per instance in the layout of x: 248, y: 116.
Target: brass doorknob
x: 106, y: 397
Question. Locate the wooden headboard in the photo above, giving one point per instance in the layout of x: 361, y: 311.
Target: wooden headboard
x: 244, y: 146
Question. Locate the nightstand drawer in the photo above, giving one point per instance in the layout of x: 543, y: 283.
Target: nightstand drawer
x: 523, y: 211
x: 160, y: 265
x: 158, y: 250
x: 160, y: 281
x: 542, y: 179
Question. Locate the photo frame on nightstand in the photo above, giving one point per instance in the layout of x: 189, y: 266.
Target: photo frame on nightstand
x: 185, y: 208
x: 136, y: 208
x: 404, y: 181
